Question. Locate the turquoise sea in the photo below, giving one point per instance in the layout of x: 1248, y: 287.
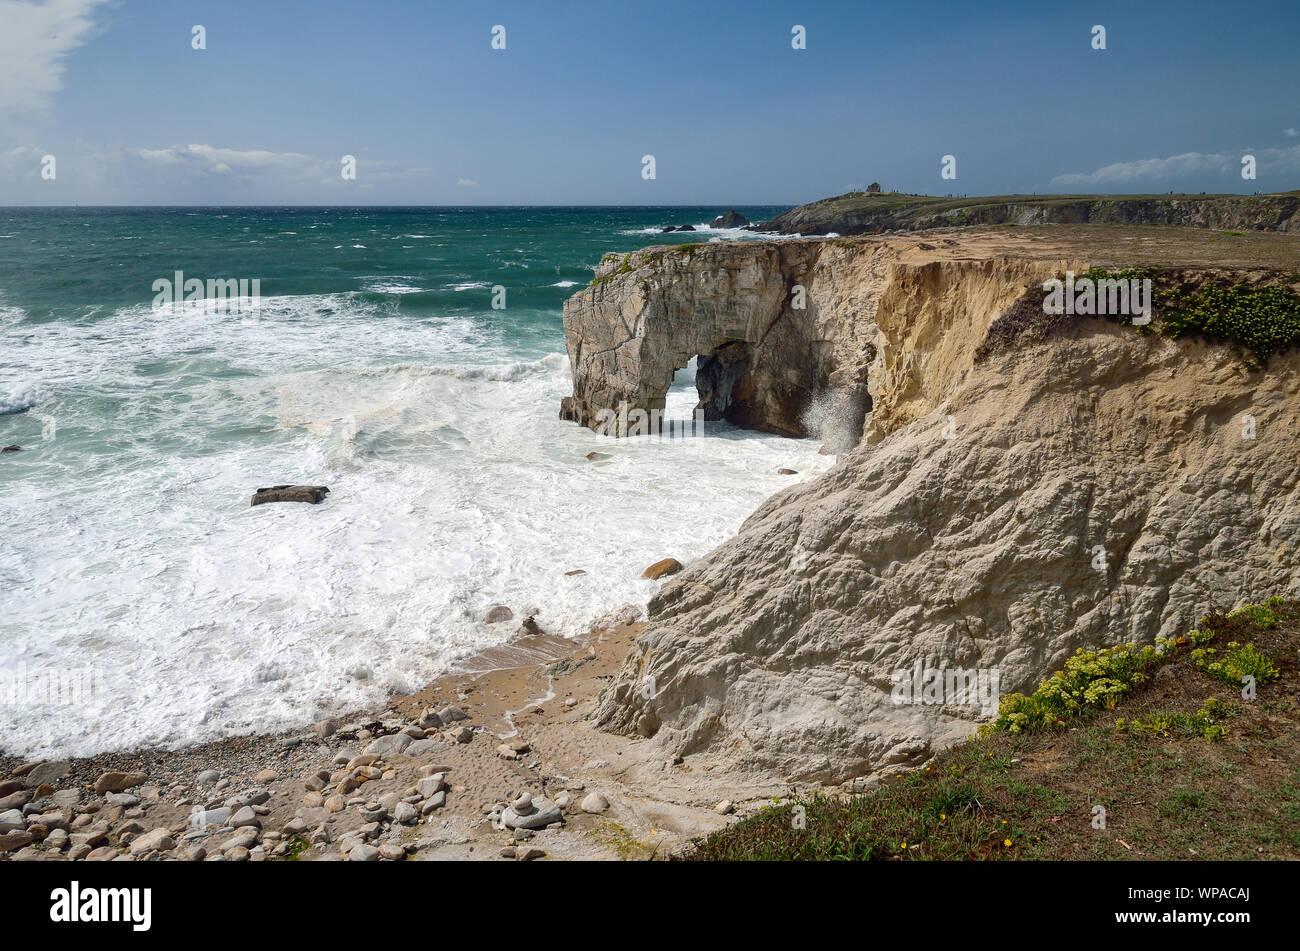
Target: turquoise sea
x: 374, y: 363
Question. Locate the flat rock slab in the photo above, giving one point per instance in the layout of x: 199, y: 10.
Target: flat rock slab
x: 315, y: 494
x: 539, y: 818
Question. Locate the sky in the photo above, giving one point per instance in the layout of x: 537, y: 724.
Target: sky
x: 108, y: 101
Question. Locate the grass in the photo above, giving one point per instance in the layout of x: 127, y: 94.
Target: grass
x: 1138, y: 773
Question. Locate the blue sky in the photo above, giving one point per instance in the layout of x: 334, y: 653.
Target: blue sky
x: 713, y: 90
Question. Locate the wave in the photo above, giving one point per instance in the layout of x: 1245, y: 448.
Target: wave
x: 381, y: 287
x: 18, y: 399
x: 565, y: 284
x: 468, y: 286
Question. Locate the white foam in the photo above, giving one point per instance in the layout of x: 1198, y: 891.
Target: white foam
x: 454, y: 487
x: 18, y: 398
x: 565, y: 284
x: 392, y: 287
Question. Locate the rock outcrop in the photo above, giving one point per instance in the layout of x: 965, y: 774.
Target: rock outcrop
x: 732, y: 219
x: 312, y: 494
x: 756, y: 317
x: 1001, y: 506
x: 874, y: 213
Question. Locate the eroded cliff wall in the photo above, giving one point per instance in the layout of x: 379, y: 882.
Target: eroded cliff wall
x: 964, y: 528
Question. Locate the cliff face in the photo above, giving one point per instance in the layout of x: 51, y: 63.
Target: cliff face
x: 1087, y: 486
x: 862, y: 213
x: 775, y: 325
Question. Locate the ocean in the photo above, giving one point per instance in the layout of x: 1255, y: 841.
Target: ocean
x: 144, y: 602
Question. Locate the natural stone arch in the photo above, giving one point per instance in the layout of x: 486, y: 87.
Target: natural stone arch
x: 762, y: 361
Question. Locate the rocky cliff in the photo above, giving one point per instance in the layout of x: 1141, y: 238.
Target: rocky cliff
x: 1001, y: 501
x: 876, y: 213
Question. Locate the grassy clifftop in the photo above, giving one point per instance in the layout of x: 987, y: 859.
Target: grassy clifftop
x: 1128, y: 753
x: 873, y: 213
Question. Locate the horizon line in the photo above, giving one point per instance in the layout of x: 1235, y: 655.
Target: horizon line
x: 748, y: 204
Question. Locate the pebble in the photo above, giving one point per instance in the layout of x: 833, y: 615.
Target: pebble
x: 724, y: 808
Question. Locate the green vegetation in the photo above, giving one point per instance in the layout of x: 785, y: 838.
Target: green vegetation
x: 297, y: 844
x: 1091, y: 681
x: 1260, y: 615
x: 1241, y: 660
x: 1263, y: 320
x: 1034, y: 788
x: 1205, y: 722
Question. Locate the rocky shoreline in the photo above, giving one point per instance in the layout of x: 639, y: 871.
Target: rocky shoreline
x: 495, y: 761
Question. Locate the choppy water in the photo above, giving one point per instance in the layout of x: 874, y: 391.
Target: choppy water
x: 375, y: 364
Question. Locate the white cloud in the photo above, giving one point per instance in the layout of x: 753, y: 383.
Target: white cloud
x: 1291, y: 132
x: 467, y: 183
x: 1190, y: 166
x: 35, y: 39
x: 192, y: 174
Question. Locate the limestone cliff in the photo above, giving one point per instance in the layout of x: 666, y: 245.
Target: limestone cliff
x: 1001, y: 505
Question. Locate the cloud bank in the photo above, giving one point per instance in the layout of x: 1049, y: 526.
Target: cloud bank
x: 1275, y: 169
x: 35, y: 39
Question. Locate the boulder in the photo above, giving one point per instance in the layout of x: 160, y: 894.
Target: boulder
x: 498, y: 614
x: 115, y: 781
x: 661, y: 569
